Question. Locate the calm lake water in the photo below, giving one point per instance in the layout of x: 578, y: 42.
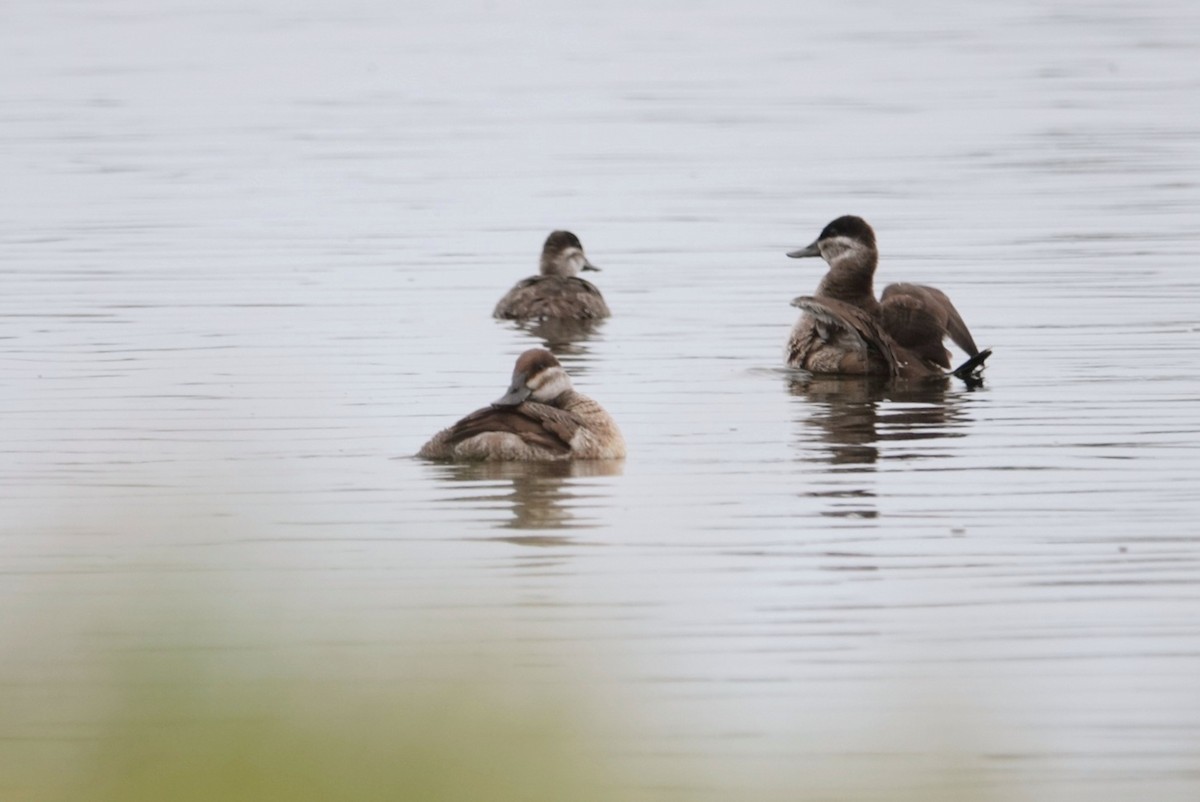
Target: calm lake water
x: 249, y: 253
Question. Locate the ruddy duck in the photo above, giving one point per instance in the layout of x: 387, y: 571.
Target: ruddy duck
x: 558, y: 292
x: 845, y: 330
x: 541, y: 417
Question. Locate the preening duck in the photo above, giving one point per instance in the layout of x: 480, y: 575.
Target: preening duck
x: 846, y: 330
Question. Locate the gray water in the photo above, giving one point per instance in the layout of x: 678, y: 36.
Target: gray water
x: 249, y: 252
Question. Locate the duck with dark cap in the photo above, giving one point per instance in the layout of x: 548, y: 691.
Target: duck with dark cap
x: 845, y: 330
x: 557, y: 292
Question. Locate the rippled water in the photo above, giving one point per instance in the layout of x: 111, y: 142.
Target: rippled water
x: 249, y: 255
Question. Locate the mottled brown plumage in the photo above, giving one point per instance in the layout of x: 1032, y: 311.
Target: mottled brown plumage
x: 541, y: 417
x: 533, y: 423
x: 839, y: 338
x: 557, y: 292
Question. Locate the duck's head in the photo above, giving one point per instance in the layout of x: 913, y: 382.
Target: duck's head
x: 563, y: 255
x: 846, y: 239
x: 537, y: 376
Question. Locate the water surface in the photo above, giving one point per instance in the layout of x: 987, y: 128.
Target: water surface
x: 249, y: 254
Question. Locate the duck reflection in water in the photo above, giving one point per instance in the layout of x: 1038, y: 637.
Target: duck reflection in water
x: 566, y: 339
x: 853, y: 415
x: 847, y: 420
x: 540, y: 496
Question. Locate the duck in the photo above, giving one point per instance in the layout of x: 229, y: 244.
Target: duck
x: 845, y: 330
x: 557, y: 292
x: 541, y: 418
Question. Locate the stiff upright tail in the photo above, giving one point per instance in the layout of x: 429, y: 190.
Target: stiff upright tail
x: 969, y: 370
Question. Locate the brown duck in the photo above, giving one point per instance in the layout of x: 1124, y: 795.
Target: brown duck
x: 846, y: 330
x: 541, y: 417
x: 557, y: 292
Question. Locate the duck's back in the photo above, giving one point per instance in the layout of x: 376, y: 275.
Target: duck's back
x: 509, y: 434
x: 531, y: 432
x: 550, y: 297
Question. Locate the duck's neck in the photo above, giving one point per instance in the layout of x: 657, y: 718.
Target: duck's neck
x: 851, y: 280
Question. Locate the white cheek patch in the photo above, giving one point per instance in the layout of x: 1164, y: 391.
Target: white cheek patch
x: 839, y: 248
x: 567, y: 263
x: 574, y: 260
x: 549, y: 384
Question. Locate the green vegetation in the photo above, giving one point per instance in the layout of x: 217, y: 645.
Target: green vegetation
x: 150, y: 732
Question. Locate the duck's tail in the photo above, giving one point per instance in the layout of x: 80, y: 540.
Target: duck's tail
x: 969, y: 371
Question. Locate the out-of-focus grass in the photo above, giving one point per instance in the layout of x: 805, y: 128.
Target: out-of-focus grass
x: 121, y: 687
x: 165, y: 718
x: 302, y: 743
x: 131, y: 690
x: 186, y: 734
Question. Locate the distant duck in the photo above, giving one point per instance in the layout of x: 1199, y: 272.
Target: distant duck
x: 541, y: 417
x: 558, y: 292
x: 846, y: 331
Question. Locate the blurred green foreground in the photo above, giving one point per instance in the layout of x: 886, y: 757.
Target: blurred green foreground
x: 107, y: 709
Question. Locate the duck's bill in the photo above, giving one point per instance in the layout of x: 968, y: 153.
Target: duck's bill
x: 515, y: 395
x: 590, y: 266
x: 810, y: 250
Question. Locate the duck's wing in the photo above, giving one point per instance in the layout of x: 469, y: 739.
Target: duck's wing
x: 587, y: 298
x: 836, y: 315
x: 536, y: 424
x: 581, y: 285
x: 516, y: 302
x: 559, y: 422
x: 938, y: 306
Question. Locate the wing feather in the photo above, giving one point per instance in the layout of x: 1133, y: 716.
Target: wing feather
x: 845, y: 317
x: 527, y: 421
x: 938, y: 306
